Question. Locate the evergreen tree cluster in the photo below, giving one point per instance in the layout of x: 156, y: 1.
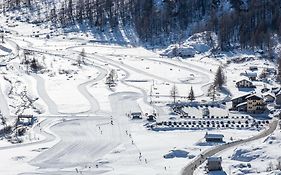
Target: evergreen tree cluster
x: 250, y: 23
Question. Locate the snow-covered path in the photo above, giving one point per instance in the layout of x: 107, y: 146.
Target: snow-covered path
x: 41, y: 89
x: 191, y: 167
x: 84, y: 91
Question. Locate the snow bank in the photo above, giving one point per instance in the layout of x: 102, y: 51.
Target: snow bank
x: 247, y: 155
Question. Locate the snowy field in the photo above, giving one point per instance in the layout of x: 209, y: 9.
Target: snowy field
x: 83, y: 123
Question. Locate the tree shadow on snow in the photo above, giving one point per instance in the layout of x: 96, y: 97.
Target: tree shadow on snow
x: 121, y: 35
x: 217, y: 173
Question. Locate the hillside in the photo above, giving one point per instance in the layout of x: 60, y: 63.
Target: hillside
x: 247, y: 24
x: 133, y: 87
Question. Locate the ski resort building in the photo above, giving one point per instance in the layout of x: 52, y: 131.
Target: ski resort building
x: 255, y: 104
x: 214, y: 163
x: 268, y: 98
x: 238, y: 100
x: 214, y: 137
x: 250, y: 103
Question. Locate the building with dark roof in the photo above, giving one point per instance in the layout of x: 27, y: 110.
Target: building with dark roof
x: 214, y: 163
x: 251, y: 103
x: 255, y: 104
x: 214, y: 137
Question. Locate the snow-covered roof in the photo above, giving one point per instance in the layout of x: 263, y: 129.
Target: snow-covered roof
x: 253, y: 66
x: 242, y: 104
x: 265, y: 88
x: 214, y: 136
x: 241, y: 95
x: 279, y: 93
x: 243, y: 80
x: 269, y: 94
x: 136, y: 113
x: 254, y: 96
x: 214, y: 159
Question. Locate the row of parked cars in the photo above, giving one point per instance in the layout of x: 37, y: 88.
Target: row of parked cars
x: 212, y: 124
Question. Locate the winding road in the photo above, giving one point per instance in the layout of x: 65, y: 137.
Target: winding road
x: 199, y: 160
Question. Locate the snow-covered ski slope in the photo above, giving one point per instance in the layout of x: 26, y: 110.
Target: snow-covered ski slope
x: 83, y: 124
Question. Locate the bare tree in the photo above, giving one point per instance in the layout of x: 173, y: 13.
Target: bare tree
x: 174, y: 92
x: 26, y: 102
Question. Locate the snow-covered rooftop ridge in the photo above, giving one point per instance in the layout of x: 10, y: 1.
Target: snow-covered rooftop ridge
x: 214, y: 159
x: 217, y: 136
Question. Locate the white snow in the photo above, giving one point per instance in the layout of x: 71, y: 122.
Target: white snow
x: 84, y: 123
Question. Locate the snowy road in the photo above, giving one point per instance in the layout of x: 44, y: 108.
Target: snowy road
x: 189, y: 169
x: 84, y: 91
x: 41, y: 90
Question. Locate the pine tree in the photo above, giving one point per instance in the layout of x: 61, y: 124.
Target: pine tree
x: 174, y: 92
x: 219, y: 78
x: 111, y: 78
x: 191, y: 96
x: 34, y: 65
x: 212, y: 92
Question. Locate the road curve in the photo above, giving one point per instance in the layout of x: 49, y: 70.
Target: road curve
x: 82, y: 88
x: 199, y: 160
x: 43, y: 129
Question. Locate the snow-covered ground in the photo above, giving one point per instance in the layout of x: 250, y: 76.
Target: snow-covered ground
x: 84, y: 124
x: 259, y: 157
